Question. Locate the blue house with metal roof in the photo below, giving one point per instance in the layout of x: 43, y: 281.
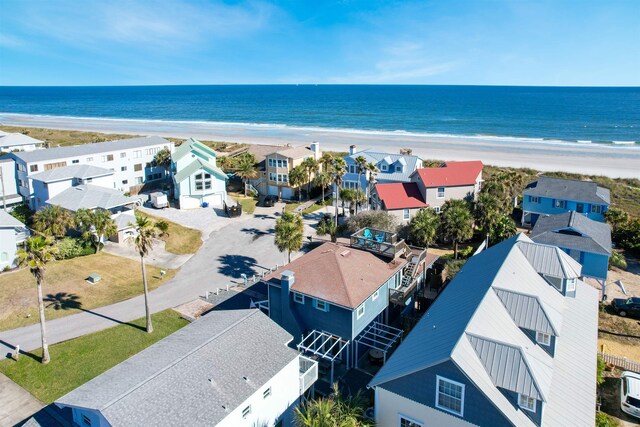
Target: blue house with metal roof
x: 549, y: 196
x: 511, y: 341
x: 585, y: 240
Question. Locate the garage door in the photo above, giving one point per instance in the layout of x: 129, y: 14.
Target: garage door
x: 214, y: 200
x: 187, y: 202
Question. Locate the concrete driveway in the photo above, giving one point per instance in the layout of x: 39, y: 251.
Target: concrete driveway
x: 244, y: 246
x: 207, y: 220
x: 158, y: 256
x: 16, y: 404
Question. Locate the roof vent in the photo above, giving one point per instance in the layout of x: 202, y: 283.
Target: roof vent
x: 245, y: 378
x: 345, y: 253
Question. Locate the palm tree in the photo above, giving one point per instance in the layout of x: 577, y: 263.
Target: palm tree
x: 358, y: 198
x: 326, y: 161
x: 326, y: 226
x: 35, y: 255
x: 498, y: 190
x: 361, y: 167
x: 96, y: 225
x: 53, y: 221
x: 311, y: 166
x: 346, y: 195
x: 487, y: 211
x: 424, y: 226
x: 338, y: 170
x: 372, y: 171
x: 503, y: 228
x: 456, y: 223
x: 296, y: 179
x: 322, y: 180
x: 162, y: 158
x: 143, y: 242
x: 247, y: 170
x: 289, y: 233
x: 333, y: 410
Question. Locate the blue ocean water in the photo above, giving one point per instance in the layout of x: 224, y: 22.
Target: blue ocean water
x: 566, y: 113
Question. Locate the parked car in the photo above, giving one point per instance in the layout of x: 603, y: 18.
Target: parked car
x: 630, y: 393
x: 269, y: 201
x: 626, y: 306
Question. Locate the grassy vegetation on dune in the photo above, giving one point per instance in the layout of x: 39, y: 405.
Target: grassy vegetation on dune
x: 179, y: 240
x: 77, y: 361
x: 66, y: 291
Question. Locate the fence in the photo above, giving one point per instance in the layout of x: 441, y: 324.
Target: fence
x: 621, y: 362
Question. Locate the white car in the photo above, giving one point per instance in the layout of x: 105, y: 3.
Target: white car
x: 630, y: 393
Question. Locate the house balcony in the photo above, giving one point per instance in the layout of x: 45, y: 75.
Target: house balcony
x: 308, y: 373
x: 21, y: 234
x: 379, y: 242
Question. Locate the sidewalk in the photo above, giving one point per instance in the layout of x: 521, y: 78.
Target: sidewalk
x: 16, y: 404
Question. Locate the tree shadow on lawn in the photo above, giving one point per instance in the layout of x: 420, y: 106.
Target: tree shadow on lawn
x: 67, y: 301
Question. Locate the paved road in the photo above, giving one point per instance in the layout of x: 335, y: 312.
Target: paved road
x: 245, y: 245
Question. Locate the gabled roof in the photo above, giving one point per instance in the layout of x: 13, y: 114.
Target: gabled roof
x: 550, y: 260
x: 191, y: 145
x: 560, y: 230
x: 89, y: 196
x: 69, y: 172
x: 411, y: 162
x: 195, y: 376
x: 568, y: 189
x: 469, y: 325
x: 17, y: 139
x: 337, y: 274
x: 9, y: 221
x: 292, y: 152
x: 402, y: 195
x: 451, y: 174
x: 196, y: 165
x: 89, y: 149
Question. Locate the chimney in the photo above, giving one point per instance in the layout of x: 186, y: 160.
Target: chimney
x: 315, y: 147
x: 352, y: 150
x: 286, y: 281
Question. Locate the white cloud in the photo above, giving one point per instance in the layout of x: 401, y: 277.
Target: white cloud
x: 11, y: 42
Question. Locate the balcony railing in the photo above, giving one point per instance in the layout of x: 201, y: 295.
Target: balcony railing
x: 308, y: 373
x: 378, y: 241
x: 21, y: 234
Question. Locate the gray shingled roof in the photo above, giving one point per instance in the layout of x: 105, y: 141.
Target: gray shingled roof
x: 91, y: 197
x: 193, y: 377
x: 71, y: 171
x: 89, y: 149
x: 526, y: 311
x: 411, y: 163
x: 595, y: 237
x: 568, y: 189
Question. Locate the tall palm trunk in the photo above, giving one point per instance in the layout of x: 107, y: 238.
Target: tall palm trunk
x: 43, y: 327
x: 146, y: 296
x: 455, y: 249
x: 337, y: 201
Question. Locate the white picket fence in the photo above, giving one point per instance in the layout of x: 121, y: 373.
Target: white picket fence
x: 621, y: 362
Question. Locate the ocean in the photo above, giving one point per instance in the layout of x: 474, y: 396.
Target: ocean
x: 573, y: 114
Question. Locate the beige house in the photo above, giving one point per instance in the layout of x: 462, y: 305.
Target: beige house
x: 429, y: 187
x: 277, y: 167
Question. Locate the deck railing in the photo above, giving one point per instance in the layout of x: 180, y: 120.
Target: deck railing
x: 378, y: 241
x: 308, y: 373
x: 621, y: 362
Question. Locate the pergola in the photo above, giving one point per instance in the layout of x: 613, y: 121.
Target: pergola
x: 380, y: 337
x: 325, y: 346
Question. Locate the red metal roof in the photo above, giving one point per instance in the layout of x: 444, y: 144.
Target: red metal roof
x: 403, y: 195
x: 451, y: 174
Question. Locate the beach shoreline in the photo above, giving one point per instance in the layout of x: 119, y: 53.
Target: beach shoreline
x: 544, y: 155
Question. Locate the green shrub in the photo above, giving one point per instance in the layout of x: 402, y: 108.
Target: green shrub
x: 465, y: 252
x: 70, y: 247
x: 23, y: 213
x: 604, y: 420
x: 617, y: 260
x: 453, y: 266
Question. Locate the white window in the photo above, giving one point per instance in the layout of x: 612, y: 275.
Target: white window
x: 408, y: 422
x: 321, y: 305
x: 352, y: 169
x: 436, y: 209
x: 350, y: 184
x: 375, y: 295
x: 125, y: 181
x: 4, y: 257
x: 440, y: 193
x: 137, y: 154
x: 571, y: 285
x: 534, y: 199
x: 123, y: 155
x: 266, y: 393
x: 139, y: 180
x: 526, y: 402
x: 384, y: 168
x: 123, y: 168
x: 299, y: 298
x: 273, y: 176
x: 560, y: 204
x: 76, y: 161
x: 542, y: 338
x: 450, y: 396
x: 21, y: 167
x: 360, y: 311
x: 89, y: 159
x: 596, y: 209
x: 270, y: 161
x: 406, y: 214
x: 246, y: 411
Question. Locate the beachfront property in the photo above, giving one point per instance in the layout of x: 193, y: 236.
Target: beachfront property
x: 228, y: 368
x: 429, y: 187
x: 500, y: 346
x: 18, y: 142
x: 12, y: 233
x: 337, y: 301
x: 585, y: 240
x: 9, y: 196
x: 278, y: 164
x: 131, y: 161
x: 197, y: 180
x: 548, y: 196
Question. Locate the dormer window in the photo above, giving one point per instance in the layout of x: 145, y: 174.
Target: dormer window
x: 384, y: 168
x: 542, y: 338
x: 571, y: 285
x: 527, y: 403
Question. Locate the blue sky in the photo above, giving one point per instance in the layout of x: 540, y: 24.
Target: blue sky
x: 508, y: 42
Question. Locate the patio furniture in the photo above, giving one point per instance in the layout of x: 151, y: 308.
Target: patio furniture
x: 367, y: 234
x: 380, y: 237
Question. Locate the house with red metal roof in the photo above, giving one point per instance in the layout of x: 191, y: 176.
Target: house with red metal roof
x: 429, y: 187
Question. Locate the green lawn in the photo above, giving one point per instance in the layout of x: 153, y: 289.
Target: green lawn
x: 75, y: 362
x: 179, y: 240
x: 248, y: 204
x: 289, y: 207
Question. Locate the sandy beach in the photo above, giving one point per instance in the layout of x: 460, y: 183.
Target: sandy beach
x: 592, y: 159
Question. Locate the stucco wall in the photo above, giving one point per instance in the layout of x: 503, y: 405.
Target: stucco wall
x: 461, y: 192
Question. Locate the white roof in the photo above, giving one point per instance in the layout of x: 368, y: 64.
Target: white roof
x: 91, y: 197
x: 9, y: 221
x: 17, y: 139
x: 71, y: 171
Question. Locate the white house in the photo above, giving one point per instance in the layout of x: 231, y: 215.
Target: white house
x: 9, y: 196
x: 18, y: 142
x: 230, y: 368
x: 12, y: 233
x: 196, y: 177
x: 130, y: 160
